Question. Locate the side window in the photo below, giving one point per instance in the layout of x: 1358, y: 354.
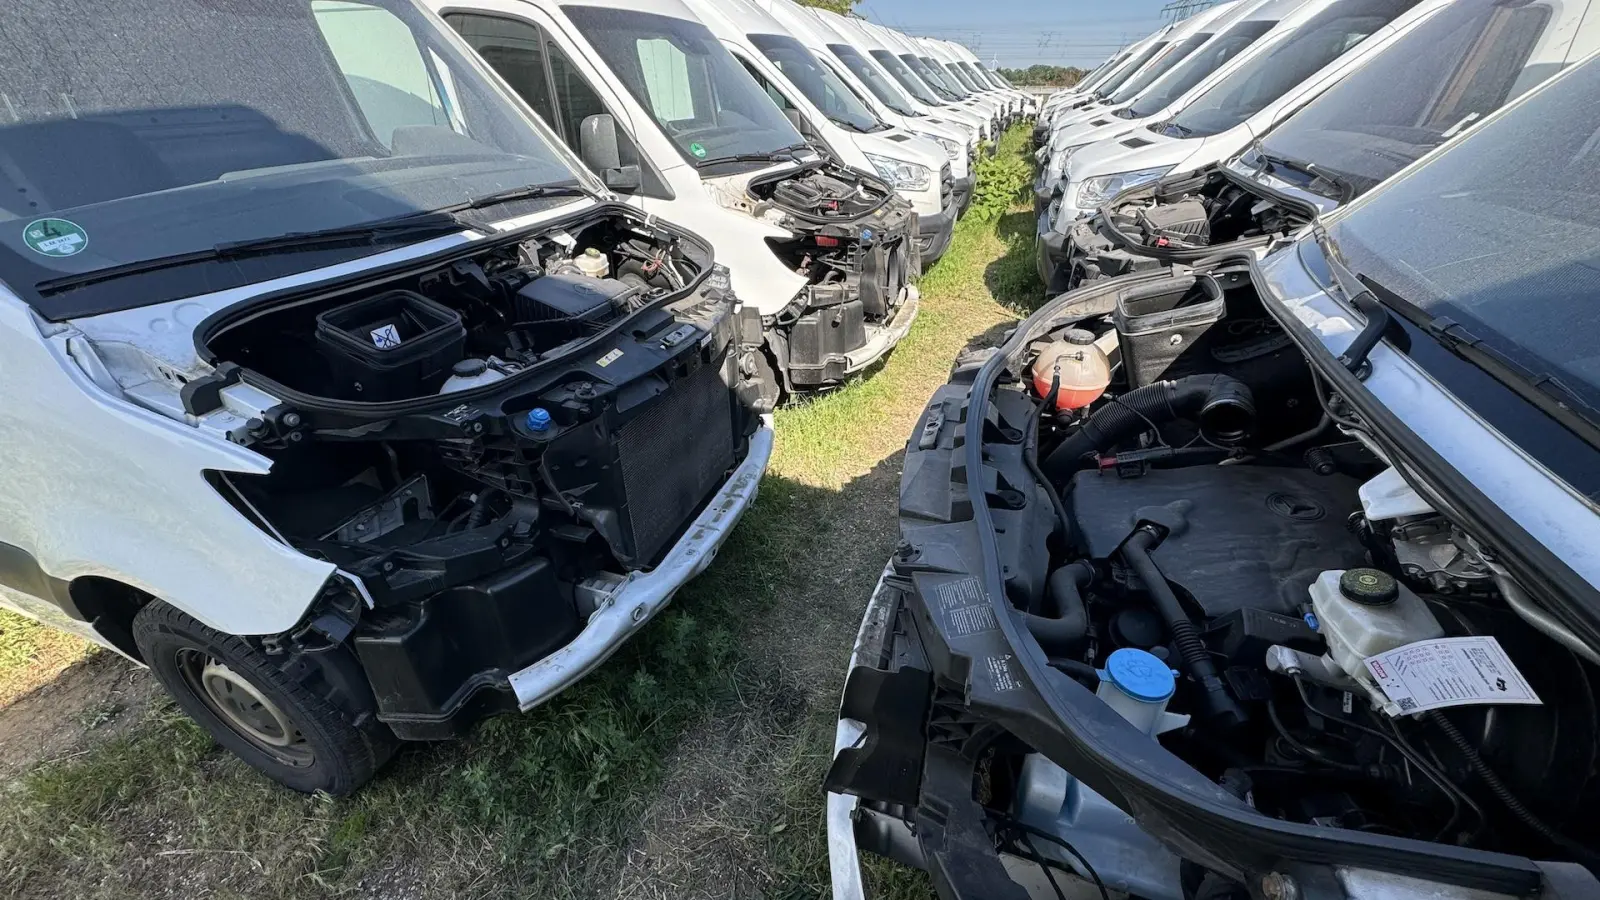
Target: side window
x: 383, y: 66
x: 777, y: 96
x: 666, y: 78
x: 515, y: 50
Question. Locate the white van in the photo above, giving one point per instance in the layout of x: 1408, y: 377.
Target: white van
x: 337, y: 391
x: 939, y: 52
x: 1431, y: 86
x: 1110, y: 76
x: 1186, y: 38
x: 880, y: 95
x: 1028, y: 103
x: 822, y: 254
x: 935, y: 77
x: 1293, y: 63
x: 828, y: 112
x: 865, y: 39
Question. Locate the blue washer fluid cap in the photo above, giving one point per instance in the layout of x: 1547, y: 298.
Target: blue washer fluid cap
x: 538, y: 419
x: 1140, y: 675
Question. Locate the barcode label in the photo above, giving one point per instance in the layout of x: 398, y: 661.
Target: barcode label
x: 1459, y: 671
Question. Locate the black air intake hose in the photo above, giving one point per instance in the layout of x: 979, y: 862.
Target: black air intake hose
x: 1218, y: 704
x: 1066, y: 632
x: 1220, y: 404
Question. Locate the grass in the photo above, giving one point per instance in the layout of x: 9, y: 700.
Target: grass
x: 32, y: 654
x: 723, y: 704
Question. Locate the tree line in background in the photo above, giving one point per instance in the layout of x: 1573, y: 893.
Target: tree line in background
x: 1054, y: 76
x: 842, y: 7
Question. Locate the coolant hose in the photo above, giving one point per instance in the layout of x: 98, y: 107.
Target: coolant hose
x: 1218, y: 704
x: 480, y: 508
x: 1066, y: 631
x: 1222, y: 405
x: 1492, y: 781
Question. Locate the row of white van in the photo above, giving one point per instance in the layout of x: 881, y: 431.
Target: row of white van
x: 658, y: 75
x: 1319, y: 100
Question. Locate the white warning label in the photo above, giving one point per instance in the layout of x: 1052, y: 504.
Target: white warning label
x: 1459, y: 671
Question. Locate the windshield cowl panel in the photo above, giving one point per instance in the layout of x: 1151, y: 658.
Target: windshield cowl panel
x: 297, y: 116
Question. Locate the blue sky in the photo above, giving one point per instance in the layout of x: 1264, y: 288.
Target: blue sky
x: 1023, y: 32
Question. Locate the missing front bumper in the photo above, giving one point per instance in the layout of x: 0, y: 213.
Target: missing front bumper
x: 625, y: 605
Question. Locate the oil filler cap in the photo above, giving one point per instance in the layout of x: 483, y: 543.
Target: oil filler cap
x: 1369, y: 587
x: 1140, y: 675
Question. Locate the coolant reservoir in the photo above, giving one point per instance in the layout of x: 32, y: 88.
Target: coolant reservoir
x: 593, y: 264
x: 1082, y: 367
x: 1364, y: 612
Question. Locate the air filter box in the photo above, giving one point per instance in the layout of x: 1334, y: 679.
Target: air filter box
x: 578, y: 299
x: 1184, y: 222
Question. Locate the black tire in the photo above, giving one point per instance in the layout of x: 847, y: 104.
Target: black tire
x: 332, y: 751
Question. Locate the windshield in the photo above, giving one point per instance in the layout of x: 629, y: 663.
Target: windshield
x: 977, y: 82
x: 946, y: 77
x: 869, y: 75
x: 278, y: 116
x: 961, y: 76
x: 930, y: 77
x: 1193, y: 70
x: 998, y: 79
x: 1177, y: 53
x: 1105, y: 88
x: 702, y: 98
x: 1501, y: 233
x: 1467, y: 61
x: 817, y: 82
x: 908, y: 79
x: 1264, y: 78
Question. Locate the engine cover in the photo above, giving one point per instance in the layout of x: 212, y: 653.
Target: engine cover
x: 1250, y: 536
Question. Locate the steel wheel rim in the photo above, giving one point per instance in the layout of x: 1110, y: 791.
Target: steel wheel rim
x: 244, y: 708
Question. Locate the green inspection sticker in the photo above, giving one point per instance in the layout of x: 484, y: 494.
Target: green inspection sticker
x: 55, y: 237
x: 698, y: 150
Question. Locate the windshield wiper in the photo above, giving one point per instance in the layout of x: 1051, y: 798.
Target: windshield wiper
x: 395, y: 230
x: 790, y: 153
x: 1168, y: 127
x: 1544, y: 390
x: 399, y: 229
x: 1347, y: 190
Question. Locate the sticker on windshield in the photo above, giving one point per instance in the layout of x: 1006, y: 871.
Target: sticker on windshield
x: 55, y: 237
x: 698, y: 150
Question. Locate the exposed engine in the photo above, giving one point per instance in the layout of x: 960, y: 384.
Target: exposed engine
x: 1234, y: 560
x: 1174, y: 221
x: 484, y: 443
x: 855, y: 245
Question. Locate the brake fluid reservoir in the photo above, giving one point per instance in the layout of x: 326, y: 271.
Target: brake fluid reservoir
x: 1364, y: 612
x: 593, y: 263
x: 1080, y: 365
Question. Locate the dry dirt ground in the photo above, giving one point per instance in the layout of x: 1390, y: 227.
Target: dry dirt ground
x: 688, y: 767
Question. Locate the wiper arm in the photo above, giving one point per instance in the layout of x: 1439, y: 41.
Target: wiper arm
x: 408, y: 227
x: 790, y: 153
x: 412, y: 226
x: 1347, y: 191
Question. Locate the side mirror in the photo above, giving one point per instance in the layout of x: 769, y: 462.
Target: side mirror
x: 597, y: 143
x: 797, y: 120
x: 624, y: 179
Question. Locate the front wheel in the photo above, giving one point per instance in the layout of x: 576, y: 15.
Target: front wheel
x: 277, y: 723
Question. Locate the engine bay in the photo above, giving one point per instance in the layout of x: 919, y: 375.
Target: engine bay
x: 482, y: 442
x: 854, y: 243
x: 1192, y: 531
x: 1174, y: 221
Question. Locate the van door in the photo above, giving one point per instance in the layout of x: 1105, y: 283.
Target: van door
x: 542, y: 72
